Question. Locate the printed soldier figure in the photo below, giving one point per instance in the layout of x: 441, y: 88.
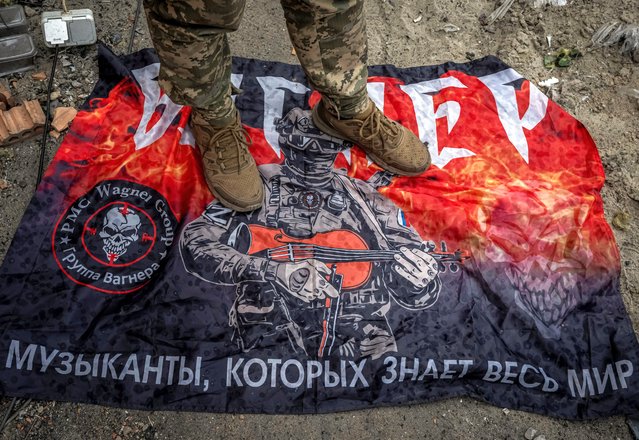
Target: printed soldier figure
x: 329, y: 37
x: 324, y: 260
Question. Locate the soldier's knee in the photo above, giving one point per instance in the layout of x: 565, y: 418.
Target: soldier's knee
x: 322, y: 7
x: 224, y: 14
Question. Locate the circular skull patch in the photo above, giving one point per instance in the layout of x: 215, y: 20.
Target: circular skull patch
x: 113, y: 238
x: 119, y: 234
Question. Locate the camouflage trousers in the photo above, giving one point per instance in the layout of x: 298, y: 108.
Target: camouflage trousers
x: 190, y: 37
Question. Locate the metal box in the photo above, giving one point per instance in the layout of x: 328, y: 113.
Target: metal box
x: 17, y: 54
x: 80, y: 27
x: 13, y: 21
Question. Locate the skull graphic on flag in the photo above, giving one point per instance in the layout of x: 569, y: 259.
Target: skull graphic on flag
x: 120, y: 230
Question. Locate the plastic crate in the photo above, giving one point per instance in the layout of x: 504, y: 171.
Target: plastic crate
x: 13, y: 21
x: 17, y: 54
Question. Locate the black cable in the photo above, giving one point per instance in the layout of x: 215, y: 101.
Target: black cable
x: 135, y: 26
x: 45, y: 134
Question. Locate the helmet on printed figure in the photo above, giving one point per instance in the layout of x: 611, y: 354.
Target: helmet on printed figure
x: 309, y: 152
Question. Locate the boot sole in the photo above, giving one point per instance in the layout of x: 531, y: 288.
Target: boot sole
x: 319, y: 123
x: 232, y: 205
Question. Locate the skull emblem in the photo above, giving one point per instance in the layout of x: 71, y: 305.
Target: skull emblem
x: 535, y: 234
x: 120, y: 229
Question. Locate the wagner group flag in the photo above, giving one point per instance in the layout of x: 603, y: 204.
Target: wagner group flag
x: 492, y: 275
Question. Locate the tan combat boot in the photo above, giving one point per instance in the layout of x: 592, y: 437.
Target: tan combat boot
x: 389, y: 144
x: 229, y: 168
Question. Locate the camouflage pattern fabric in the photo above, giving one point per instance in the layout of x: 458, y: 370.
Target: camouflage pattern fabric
x: 329, y: 37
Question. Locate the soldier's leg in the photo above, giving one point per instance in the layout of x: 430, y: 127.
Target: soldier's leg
x: 329, y: 37
x: 330, y: 40
x: 190, y: 38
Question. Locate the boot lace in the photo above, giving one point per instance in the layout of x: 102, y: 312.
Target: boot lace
x: 379, y: 126
x: 231, y: 146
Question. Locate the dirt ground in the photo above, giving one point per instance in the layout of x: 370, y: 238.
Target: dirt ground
x: 592, y: 89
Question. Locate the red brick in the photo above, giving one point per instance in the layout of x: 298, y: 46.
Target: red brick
x: 21, y: 122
